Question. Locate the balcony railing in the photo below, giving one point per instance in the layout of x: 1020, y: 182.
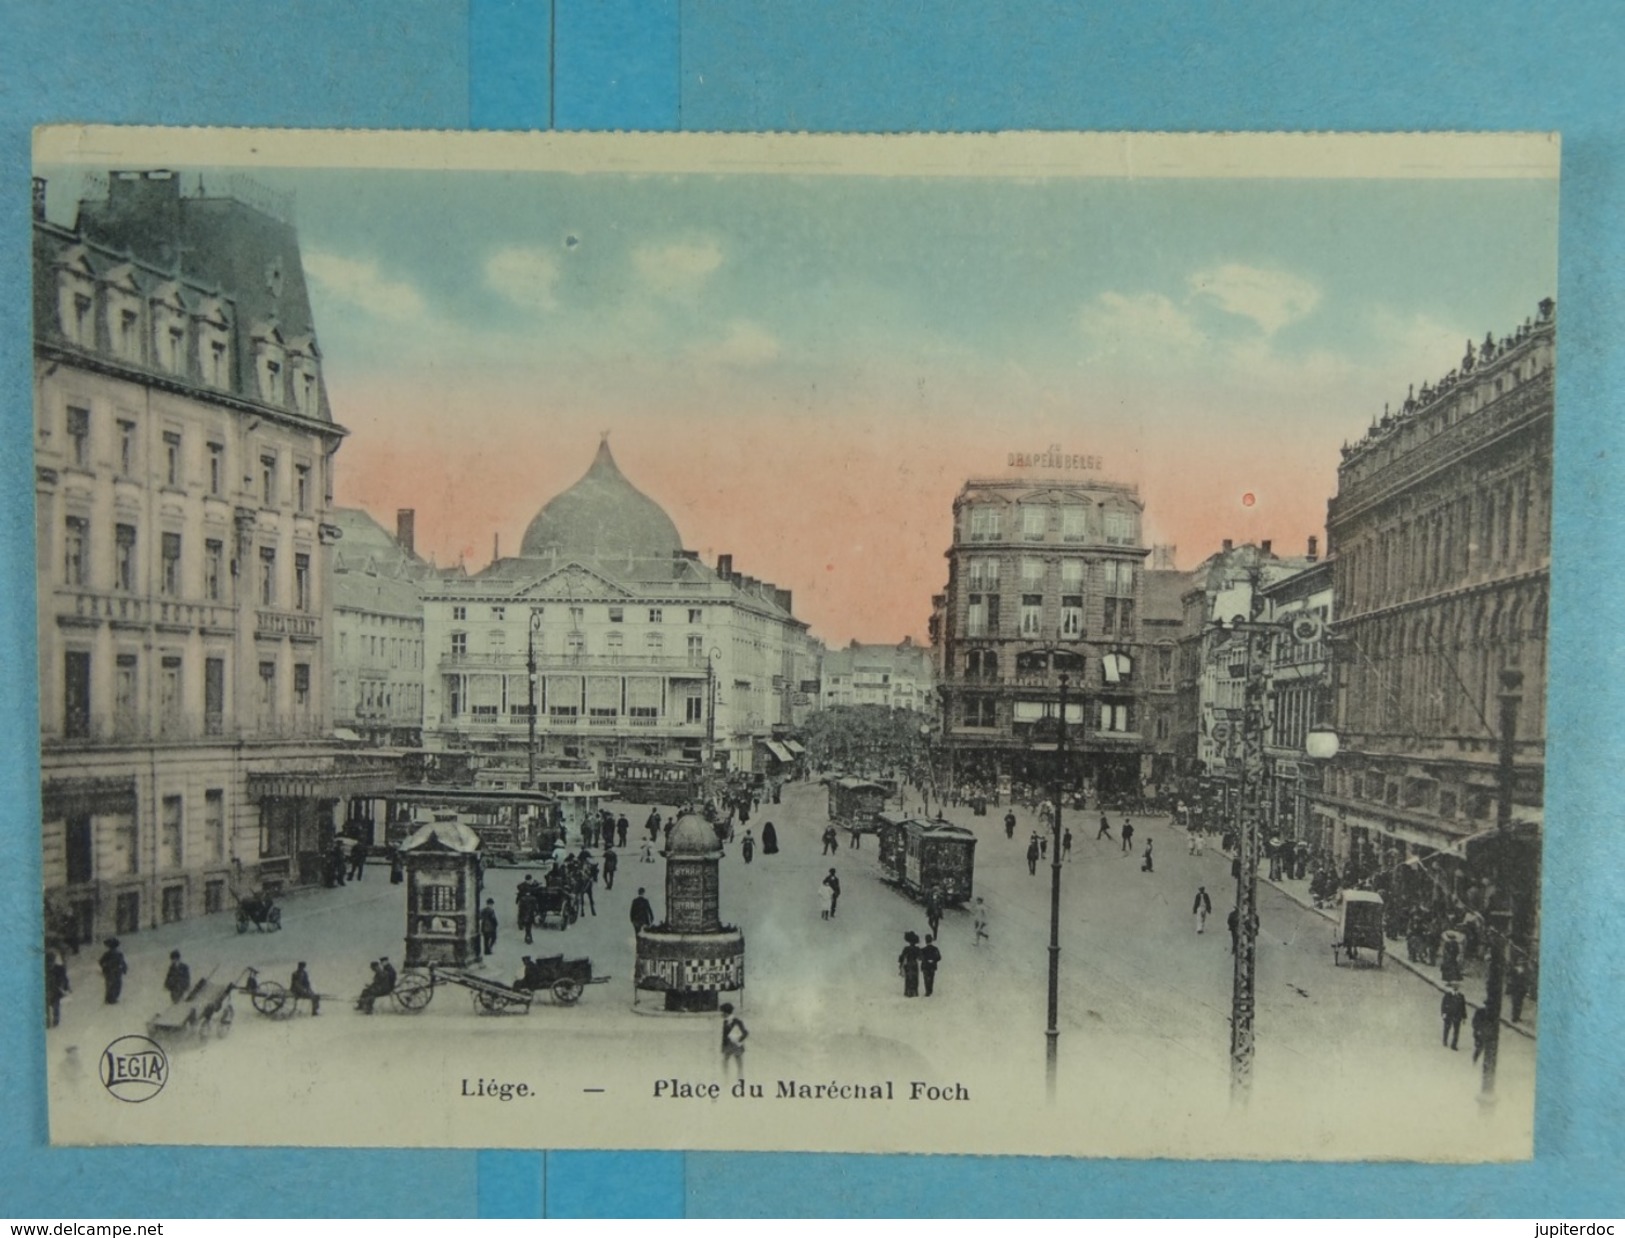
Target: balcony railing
x: 285, y: 623
x: 513, y: 662
x: 517, y: 720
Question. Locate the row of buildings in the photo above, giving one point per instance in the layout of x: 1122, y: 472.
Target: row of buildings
x: 1434, y: 584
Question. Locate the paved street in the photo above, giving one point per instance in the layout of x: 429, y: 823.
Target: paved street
x: 1348, y: 1060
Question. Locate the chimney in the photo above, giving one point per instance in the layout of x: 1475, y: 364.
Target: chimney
x: 405, y: 528
x: 1314, y: 549
x: 1228, y: 545
x: 496, y: 547
x: 725, y: 566
x: 1264, y: 546
x: 786, y: 598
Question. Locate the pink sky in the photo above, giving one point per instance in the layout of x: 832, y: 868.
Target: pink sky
x: 853, y: 516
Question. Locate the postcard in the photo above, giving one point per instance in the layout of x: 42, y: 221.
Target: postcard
x: 1012, y: 643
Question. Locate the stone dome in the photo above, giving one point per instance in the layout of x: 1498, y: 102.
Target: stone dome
x: 602, y: 516
x: 693, y: 835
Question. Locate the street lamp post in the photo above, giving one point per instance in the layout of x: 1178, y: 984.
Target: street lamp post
x: 1052, y: 1034
x: 1511, y: 698
x: 530, y: 671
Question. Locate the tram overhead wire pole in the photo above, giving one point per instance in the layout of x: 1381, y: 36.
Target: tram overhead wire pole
x: 530, y: 674
x: 1502, y: 919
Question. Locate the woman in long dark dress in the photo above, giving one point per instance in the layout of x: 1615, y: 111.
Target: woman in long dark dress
x: 770, y: 840
x: 908, y: 963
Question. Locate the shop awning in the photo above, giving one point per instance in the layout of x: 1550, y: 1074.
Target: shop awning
x: 794, y: 747
x: 778, y: 750
x: 1395, y: 823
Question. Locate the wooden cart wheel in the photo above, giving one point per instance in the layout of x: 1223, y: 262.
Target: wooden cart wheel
x: 219, y: 1026
x: 412, y: 993
x: 269, y: 998
x: 566, y: 992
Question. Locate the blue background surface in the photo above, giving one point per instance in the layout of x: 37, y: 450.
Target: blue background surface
x: 730, y: 64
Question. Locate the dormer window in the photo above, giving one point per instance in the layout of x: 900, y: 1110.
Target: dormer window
x: 76, y: 298
x: 269, y: 358
x: 169, y: 330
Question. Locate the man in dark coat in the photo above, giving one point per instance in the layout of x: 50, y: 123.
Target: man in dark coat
x: 1482, y: 1022
x: 528, y: 907
x: 1202, y: 908
x: 1517, y: 989
x: 770, y: 837
x: 1452, y: 1010
x: 300, y: 987
x: 653, y: 825
x: 611, y: 863
x: 113, y: 969
x: 831, y: 840
x: 643, y: 913
x: 1128, y: 835
x: 834, y: 884
x: 358, y: 860
x: 1105, y: 830
x: 488, y: 926
x: 178, y: 980
x: 930, y: 957
x: 622, y: 825
x: 1032, y: 854
x: 933, y: 908
x: 1010, y: 824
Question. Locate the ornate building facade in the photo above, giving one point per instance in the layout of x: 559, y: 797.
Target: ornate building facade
x: 183, y: 452
x: 1044, y: 579
x: 1441, y: 529
x: 639, y: 649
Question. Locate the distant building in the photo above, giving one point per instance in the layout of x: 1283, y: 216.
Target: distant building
x: 896, y: 676
x: 640, y: 650
x: 1299, y: 695
x: 1229, y: 585
x: 1162, y: 629
x: 1044, y: 580
x: 183, y: 478
x: 1441, y: 528
x: 378, y: 664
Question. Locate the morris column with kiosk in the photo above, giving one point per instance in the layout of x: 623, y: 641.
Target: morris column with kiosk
x: 691, y: 957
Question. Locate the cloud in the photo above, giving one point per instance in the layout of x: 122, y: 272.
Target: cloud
x: 745, y: 344
x: 1138, y: 325
x: 524, y: 276
x: 1272, y: 299
x: 360, y: 282
x: 677, y: 270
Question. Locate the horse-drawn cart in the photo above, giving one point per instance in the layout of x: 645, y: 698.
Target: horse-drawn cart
x: 1359, y: 927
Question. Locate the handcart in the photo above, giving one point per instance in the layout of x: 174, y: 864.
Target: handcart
x: 565, y: 979
x: 205, y: 1011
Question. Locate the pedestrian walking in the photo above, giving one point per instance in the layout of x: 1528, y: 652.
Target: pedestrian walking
x: 358, y: 860
x: 1128, y: 836
x: 1233, y: 920
x: 747, y: 847
x: 300, y: 987
x: 908, y: 964
x: 1452, y: 1010
x: 56, y: 987
x: 488, y: 926
x: 826, y: 900
x: 1145, y: 864
x: 1194, y: 847
x: 1482, y: 1022
x: 770, y: 837
x: 340, y: 861
x: 1066, y: 845
x: 397, y: 868
x: 528, y: 908
x: 930, y: 959
x: 1202, y: 908
x: 653, y: 825
x: 1010, y: 824
x: 113, y: 968
x: 586, y: 879
x: 933, y: 909
x: 622, y: 828
x: 734, y: 1033
x: 1043, y: 845
x: 834, y: 884
x: 643, y: 914
x: 611, y: 863
x: 1032, y: 855
x: 1105, y: 830
x: 1517, y: 989
x: 979, y: 919
x: 178, y: 979
x: 831, y: 840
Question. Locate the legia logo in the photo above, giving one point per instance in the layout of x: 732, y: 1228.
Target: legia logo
x: 134, y: 1068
